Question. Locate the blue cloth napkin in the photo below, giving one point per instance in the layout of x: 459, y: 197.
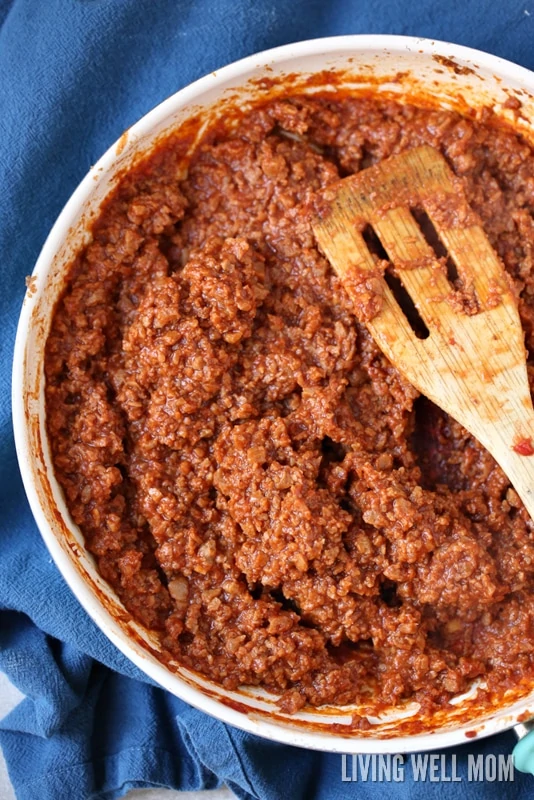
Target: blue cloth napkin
x: 73, y: 75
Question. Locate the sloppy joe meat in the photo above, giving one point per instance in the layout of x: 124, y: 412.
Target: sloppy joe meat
x: 255, y: 480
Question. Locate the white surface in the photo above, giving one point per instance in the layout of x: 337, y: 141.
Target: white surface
x: 9, y: 697
x: 168, y: 794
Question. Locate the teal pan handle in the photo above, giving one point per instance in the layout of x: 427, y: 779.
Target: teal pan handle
x: 523, y: 752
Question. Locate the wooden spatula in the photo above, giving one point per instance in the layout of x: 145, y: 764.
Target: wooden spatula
x: 472, y: 361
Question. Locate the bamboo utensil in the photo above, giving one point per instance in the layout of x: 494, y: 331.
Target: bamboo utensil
x: 466, y: 351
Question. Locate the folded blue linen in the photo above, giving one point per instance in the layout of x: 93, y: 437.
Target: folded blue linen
x: 73, y: 75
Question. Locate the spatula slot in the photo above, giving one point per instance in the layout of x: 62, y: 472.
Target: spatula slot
x: 432, y: 238
x: 401, y: 295
x: 374, y: 245
x: 406, y: 304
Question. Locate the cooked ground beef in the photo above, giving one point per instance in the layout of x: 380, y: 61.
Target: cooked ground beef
x: 256, y: 481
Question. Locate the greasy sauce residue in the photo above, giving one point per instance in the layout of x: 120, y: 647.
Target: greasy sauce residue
x: 31, y: 284
x: 453, y: 65
x: 524, y: 447
x: 122, y: 142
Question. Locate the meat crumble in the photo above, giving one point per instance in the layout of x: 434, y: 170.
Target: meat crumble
x: 255, y: 480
